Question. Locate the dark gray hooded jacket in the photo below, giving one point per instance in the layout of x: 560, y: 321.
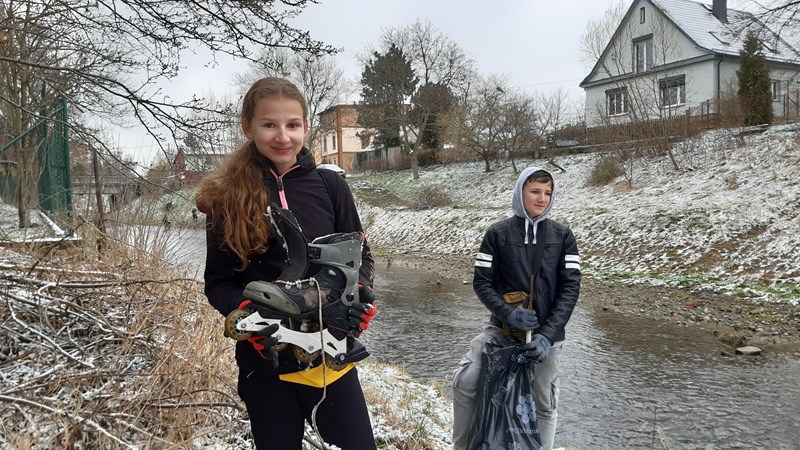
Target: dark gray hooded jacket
x: 505, y: 261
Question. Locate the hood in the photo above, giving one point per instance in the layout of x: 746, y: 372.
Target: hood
x: 519, y: 208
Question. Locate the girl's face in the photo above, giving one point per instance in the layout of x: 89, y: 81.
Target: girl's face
x: 278, y: 128
x: 536, y: 197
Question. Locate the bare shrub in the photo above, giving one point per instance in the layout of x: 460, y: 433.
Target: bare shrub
x: 432, y: 197
x: 456, y: 154
x: 605, y: 171
x: 112, y: 353
x: 427, y: 157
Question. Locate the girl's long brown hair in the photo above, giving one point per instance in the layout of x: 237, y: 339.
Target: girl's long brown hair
x: 235, y: 196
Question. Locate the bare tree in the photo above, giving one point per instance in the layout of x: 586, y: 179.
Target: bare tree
x: 783, y: 16
x: 552, y: 113
x: 439, y: 63
x: 479, y: 123
x: 598, y: 34
x: 107, y: 58
x: 435, y: 58
x: 521, y: 134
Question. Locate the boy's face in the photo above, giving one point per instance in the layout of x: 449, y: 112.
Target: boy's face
x: 536, y: 197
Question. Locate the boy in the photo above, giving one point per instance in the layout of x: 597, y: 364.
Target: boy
x: 505, y: 264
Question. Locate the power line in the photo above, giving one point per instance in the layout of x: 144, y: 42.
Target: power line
x: 549, y: 82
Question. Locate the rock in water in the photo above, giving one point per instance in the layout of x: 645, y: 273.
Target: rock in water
x: 748, y: 350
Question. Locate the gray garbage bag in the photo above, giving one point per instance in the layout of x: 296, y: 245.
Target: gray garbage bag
x: 506, y: 415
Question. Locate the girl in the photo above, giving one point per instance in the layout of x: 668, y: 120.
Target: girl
x: 279, y: 391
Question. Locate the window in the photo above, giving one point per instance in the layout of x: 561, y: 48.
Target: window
x: 718, y: 37
x: 641, y: 15
x: 776, y: 90
x: 617, y: 101
x: 643, y: 55
x: 673, y: 91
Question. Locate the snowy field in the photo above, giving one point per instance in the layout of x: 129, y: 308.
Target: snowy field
x: 727, y: 219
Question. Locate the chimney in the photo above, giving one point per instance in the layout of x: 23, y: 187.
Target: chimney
x: 720, y: 10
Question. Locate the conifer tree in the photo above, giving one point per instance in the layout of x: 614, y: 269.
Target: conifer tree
x: 388, y: 82
x: 755, y: 95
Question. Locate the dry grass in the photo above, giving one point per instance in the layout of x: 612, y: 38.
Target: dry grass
x: 111, y: 351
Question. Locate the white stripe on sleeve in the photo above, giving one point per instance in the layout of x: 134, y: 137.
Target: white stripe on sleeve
x: 484, y: 257
x: 479, y: 263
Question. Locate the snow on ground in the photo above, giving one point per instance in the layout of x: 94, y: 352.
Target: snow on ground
x: 727, y: 219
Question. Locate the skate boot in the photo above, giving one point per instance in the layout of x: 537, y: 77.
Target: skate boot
x: 334, y: 262
x: 338, y: 257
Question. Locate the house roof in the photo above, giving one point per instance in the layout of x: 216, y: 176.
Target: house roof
x: 700, y: 25
x: 697, y: 22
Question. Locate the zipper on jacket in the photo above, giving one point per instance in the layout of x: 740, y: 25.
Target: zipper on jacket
x: 281, y: 191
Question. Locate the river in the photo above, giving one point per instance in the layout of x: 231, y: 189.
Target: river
x: 625, y: 382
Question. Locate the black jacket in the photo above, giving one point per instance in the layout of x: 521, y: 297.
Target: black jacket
x: 323, y: 204
x: 558, y: 282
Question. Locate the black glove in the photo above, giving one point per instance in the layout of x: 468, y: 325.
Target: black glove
x: 342, y: 319
x: 523, y: 319
x: 538, y: 349
x: 362, y: 312
x: 263, y: 341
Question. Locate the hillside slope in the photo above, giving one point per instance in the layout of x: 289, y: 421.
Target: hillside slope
x: 727, y: 220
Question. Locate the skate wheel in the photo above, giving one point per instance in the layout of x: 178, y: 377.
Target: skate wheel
x: 236, y: 316
x: 304, y: 356
x: 332, y: 364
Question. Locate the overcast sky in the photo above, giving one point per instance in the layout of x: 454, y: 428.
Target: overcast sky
x: 534, y: 44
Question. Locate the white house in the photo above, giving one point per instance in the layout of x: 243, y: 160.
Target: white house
x: 671, y: 58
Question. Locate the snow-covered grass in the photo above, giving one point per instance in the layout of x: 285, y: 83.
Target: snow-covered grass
x: 727, y: 219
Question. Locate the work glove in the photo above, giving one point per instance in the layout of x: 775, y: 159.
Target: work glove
x: 523, y: 319
x: 263, y: 341
x: 538, y: 349
x: 362, y: 312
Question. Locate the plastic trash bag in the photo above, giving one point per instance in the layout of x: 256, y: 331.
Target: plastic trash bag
x: 506, y: 414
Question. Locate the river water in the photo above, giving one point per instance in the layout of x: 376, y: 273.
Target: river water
x: 626, y: 383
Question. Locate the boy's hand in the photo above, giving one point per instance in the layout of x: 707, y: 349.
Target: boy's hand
x: 538, y: 349
x: 523, y: 319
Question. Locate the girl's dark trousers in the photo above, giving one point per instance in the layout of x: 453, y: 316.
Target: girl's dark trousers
x: 278, y: 410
